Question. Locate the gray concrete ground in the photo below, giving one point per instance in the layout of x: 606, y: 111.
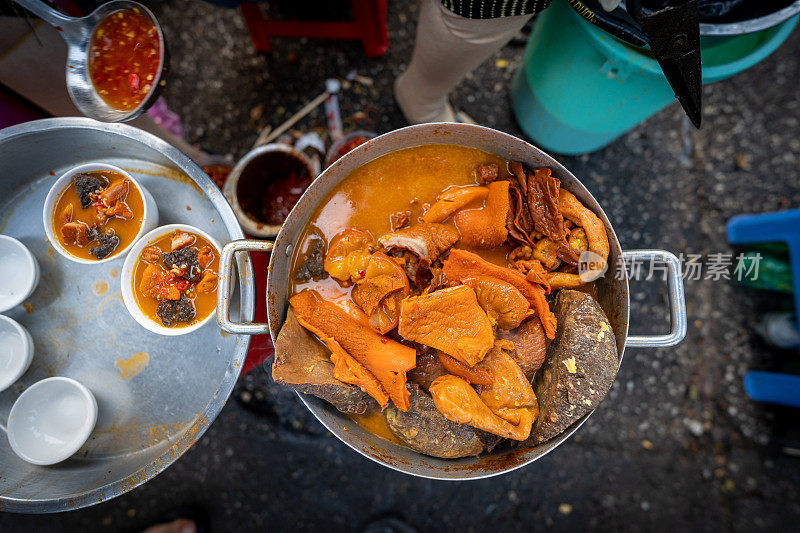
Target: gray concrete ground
x: 676, y: 445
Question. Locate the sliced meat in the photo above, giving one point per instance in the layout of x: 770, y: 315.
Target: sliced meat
x: 75, y: 233
x: 302, y: 363
x: 66, y: 213
x: 429, y: 367
x: 181, y: 240
x: 451, y: 200
x: 541, y: 193
x: 208, y: 282
x: 151, y: 254
x: 173, y: 311
x: 85, y: 186
x: 475, y: 375
x: 114, y: 192
x: 386, y: 359
x: 518, y: 221
x: 530, y: 346
x: 462, y: 264
x: 487, y: 173
x: 427, y: 240
x: 206, y: 256
x: 153, y: 278
x: 503, y: 303
x: 485, y: 227
x: 449, y: 320
x: 399, y: 220
x: 184, y: 260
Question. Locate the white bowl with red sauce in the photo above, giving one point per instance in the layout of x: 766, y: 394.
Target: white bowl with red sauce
x: 128, y: 273
x: 149, y: 215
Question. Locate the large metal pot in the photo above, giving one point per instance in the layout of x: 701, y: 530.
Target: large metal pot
x: 612, y: 293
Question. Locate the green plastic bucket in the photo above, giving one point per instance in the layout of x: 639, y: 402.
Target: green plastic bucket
x: 579, y: 88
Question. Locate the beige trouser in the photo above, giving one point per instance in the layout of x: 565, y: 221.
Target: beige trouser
x: 447, y: 48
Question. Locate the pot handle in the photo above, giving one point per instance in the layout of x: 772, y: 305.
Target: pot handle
x: 226, y: 261
x: 677, y: 303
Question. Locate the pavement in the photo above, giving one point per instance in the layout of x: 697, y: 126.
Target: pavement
x: 676, y: 445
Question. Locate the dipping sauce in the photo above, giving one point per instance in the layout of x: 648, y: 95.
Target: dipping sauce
x: 175, y: 279
x: 109, y: 222
x: 270, y: 186
x: 124, y: 58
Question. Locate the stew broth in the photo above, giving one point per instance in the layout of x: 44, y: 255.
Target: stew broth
x: 204, y: 302
x: 125, y: 229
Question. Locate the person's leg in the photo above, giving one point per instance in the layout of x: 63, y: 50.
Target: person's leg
x: 447, y: 48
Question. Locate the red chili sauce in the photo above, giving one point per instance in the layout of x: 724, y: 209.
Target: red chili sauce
x: 124, y: 58
x: 352, y: 144
x: 270, y: 185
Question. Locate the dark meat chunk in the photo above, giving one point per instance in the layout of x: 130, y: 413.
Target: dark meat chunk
x: 424, y: 429
x: 487, y: 173
x: 530, y: 346
x: 428, y: 368
x: 314, y: 265
x: 579, y: 368
x: 85, y: 185
x: 302, y: 363
x: 184, y: 259
x: 172, y: 311
x: 399, y: 220
x: 107, y: 242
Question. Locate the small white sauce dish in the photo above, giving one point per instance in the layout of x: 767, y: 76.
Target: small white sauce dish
x: 19, y: 273
x: 16, y: 351
x: 51, y: 420
x: 149, y: 219
x: 129, y: 268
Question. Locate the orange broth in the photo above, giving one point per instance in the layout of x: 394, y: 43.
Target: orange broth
x: 204, y: 303
x: 125, y: 229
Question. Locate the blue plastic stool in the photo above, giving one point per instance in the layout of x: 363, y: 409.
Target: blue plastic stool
x: 772, y: 387
x: 783, y: 226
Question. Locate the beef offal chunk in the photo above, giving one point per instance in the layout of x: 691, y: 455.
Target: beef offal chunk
x: 487, y: 173
x: 314, y: 265
x: 107, y: 242
x: 85, y: 185
x: 172, y: 311
x: 185, y: 259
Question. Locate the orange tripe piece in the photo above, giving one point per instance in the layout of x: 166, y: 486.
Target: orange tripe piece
x: 449, y: 320
x: 387, y: 360
x: 485, y: 227
x: 462, y: 264
x: 451, y: 200
x: 507, y: 407
x: 347, y: 370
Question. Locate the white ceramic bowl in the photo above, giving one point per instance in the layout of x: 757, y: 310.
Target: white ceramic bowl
x: 51, y: 420
x: 19, y: 273
x: 126, y: 278
x: 149, y: 220
x: 16, y: 351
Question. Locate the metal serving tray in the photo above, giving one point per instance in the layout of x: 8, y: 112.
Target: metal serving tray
x: 82, y: 330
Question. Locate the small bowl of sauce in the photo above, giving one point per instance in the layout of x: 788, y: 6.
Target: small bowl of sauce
x: 265, y: 185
